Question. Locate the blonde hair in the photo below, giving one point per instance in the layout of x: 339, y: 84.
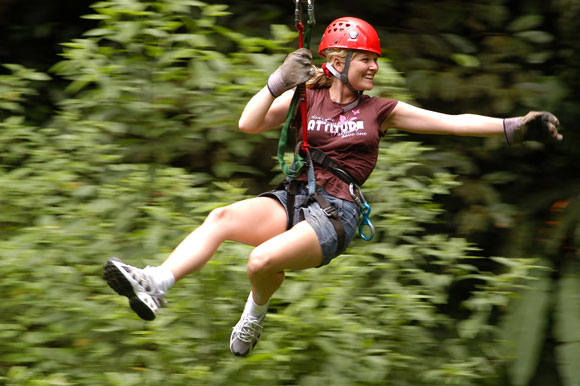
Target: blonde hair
x: 319, y: 79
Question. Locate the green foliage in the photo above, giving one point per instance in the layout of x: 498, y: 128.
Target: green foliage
x: 71, y: 202
x: 567, y: 323
x: 525, y: 328
x: 15, y: 88
x: 504, y: 58
x: 158, y: 77
x: 373, y: 315
x: 547, y: 309
x: 413, y: 273
x: 145, y: 146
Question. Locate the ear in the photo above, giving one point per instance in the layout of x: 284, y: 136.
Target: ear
x: 338, y: 64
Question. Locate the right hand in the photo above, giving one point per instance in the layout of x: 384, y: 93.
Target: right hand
x: 296, y: 69
x: 534, y: 126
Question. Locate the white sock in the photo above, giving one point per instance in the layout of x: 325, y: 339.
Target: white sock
x: 163, y: 278
x: 253, y: 308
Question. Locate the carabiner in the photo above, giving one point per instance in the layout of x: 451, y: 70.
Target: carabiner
x: 311, y: 19
x: 298, y: 23
x: 298, y: 13
x: 355, y: 195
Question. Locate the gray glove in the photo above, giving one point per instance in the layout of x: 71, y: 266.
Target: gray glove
x: 296, y: 69
x: 534, y: 126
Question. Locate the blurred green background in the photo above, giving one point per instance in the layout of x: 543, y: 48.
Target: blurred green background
x: 118, y: 134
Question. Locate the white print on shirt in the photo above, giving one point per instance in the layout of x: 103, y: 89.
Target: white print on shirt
x: 346, y: 127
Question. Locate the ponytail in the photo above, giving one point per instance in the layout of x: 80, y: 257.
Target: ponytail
x: 321, y: 79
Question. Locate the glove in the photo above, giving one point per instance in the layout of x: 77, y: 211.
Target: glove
x: 534, y: 126
x: 296, y: 69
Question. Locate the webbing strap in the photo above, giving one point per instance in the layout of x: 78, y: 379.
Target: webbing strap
x: 298, y: 162
x: 291, y: 186
x: 292, y: 190
x: 332, y: 215
x: 311, y: 176
x: 322, y: 159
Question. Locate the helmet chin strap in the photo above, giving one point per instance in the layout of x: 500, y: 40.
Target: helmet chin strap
x: 344, y: 79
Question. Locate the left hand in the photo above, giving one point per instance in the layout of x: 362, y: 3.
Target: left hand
x: 534, y: 126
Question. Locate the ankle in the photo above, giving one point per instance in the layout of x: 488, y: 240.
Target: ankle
x: 162, y: 277
x: 253, y: 308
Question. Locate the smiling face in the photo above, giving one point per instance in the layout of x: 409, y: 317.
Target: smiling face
x: 363, y: 67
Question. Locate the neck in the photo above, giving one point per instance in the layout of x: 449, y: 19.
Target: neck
x: 339, y: 93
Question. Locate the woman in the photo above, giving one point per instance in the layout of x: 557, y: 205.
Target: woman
x: 347, y: 126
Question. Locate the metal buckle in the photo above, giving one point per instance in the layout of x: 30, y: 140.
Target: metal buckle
x: 330, y: 211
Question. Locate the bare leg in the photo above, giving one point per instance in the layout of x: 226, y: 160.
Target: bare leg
x: 295, y: 249
x: 251, y: 221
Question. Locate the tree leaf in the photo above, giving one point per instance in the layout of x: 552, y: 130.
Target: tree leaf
x: 540, y: 37
x: 567, y: 323
x: 568, y: 357
x: 525, y: 327
x: 567, y: 312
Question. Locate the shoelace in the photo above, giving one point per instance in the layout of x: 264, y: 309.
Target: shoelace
x: 142, y: 277
x: 247, y: 331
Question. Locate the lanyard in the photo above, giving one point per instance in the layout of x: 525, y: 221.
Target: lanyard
x: 304, y: 35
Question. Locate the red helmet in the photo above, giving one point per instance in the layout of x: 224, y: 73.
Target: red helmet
x: 350, y: 33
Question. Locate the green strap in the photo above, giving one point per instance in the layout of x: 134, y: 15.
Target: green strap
x: 298, y: 163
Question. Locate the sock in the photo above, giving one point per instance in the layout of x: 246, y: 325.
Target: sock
x: 253, y: 308
x: 163, y: 278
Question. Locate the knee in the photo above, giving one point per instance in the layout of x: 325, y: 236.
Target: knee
x: 219, y: 223
x: 218, y: 216
x: 260, y: 261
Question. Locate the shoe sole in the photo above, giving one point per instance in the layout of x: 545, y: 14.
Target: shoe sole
x: 121, y: 285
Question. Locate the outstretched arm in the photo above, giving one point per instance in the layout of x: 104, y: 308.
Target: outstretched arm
x: 417, y: 120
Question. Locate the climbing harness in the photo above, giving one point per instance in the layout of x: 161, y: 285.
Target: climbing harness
x: 306, y: 155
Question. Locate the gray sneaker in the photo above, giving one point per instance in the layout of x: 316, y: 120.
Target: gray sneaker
x: 137, y: 285
x: 246, y: 334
